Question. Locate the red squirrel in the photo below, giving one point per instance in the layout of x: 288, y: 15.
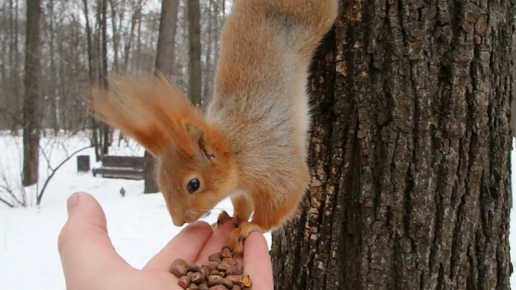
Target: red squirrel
x: 252, y: 143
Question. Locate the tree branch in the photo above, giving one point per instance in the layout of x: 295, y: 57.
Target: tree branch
x: 40, y: 195
x: 6, y: 202
x: 8, y: 189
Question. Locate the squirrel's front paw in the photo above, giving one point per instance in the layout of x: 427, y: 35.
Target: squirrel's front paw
x: 224, y: 217
x: 235, y: 241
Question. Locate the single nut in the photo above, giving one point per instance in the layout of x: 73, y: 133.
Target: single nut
x: 205, y: 271
x: 197, y: 278
x: 236, y: 279
x: 218, y: 287
x: 235, y: 270
x: 210, y: 265
x: 223, y: 266
x: 215, y: 258
x: 178, y: 268
x: 184, y: 282
x: 194, y: 268
x: 227, y: 283
x: 247, y: 281
x: 214, y: 280
x: 226, y: 253
x: 230, y: 261
x: 192, y: 287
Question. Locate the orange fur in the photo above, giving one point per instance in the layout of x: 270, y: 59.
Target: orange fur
x: 153, y: 111
x: 252, y: 143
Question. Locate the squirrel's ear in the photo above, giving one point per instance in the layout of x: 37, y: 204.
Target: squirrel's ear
x: 125, y: 115
x: 198, y: 137
x: 145, y: 107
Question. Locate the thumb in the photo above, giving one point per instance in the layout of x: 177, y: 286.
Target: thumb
x: 84, y: 245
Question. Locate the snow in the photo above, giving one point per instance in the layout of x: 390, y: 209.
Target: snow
x: 28, y: 235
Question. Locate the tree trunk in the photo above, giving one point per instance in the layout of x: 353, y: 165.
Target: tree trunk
x: 207, y: 86
x: 194, y: 44
x: 150, y: 164
x: 410, y: 152
x: 92, y: 75
x: 54, y: 91
x: 106, y: 130
x: 31, y: 118
x: 164, y: 64
x: 116, y: 35
x: 513, y: 102
x: 135, y: 19
x: 167, y: 33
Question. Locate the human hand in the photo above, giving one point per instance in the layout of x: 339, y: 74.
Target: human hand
x: 90, y: 261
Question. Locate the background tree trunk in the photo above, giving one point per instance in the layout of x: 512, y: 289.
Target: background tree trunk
x: 410, y: 152
x: 31, y: 116
x: 167, y: 33
x: 164, y: 64
x: 103, y: 77
x: 91, y: 76
x: 194, y: 44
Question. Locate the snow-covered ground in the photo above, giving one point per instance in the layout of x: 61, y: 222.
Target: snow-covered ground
x: 28, y: 236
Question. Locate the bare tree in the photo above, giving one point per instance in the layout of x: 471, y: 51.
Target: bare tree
x: 31, y: 116
x: 116, y: 35
x: 208, y: 67
x: 164, y: 64
x: 194, y: 44
x: 167, y: 35
x: 103, y: 76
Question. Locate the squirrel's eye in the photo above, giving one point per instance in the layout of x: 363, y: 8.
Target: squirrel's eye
x: 193, y: 185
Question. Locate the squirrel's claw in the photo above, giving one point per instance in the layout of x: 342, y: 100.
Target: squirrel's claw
x: 223, y: 218
x: 236, y: 238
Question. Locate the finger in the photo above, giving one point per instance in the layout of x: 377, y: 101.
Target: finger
x: 85, y: 248
x: 186, y: 245
x: 257, y: 262
x: 216, y: 242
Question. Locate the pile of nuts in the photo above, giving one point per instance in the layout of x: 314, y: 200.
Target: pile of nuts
x: 221, y: 272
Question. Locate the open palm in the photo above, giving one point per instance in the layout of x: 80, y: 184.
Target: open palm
x: 90, y: 261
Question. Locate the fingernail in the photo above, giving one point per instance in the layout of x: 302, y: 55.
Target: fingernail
x: 72, y: 203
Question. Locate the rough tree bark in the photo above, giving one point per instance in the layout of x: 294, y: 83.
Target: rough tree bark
x: 194, y: 45
x: 31, y: 116
x: 164, y: 64
x: 410, y: 151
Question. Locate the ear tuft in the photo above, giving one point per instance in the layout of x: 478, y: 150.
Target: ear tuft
x: 147, y: 108
x: 197, y: 136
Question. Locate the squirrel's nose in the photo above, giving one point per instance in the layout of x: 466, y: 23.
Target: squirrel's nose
x: 178, y: 222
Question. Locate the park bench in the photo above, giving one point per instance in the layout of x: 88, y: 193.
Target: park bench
x: 128, y: 167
